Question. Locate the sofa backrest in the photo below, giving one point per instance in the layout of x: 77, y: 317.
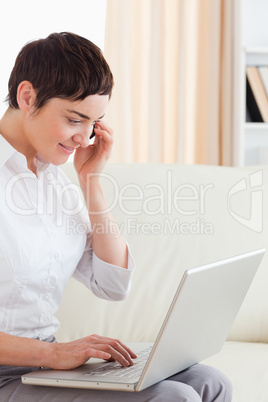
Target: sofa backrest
x: 175, y: 217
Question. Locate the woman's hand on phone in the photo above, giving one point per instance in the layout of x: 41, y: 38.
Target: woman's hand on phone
x: 92, y: 159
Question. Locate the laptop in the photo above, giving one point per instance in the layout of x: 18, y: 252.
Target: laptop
x: 196, y: 325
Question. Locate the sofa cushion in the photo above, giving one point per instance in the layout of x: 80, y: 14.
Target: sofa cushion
x: 175, y: 217
x: 246, y: 365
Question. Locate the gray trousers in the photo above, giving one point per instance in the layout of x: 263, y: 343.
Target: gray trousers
x: 198, y: 383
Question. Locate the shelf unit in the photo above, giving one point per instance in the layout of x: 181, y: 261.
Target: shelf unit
x: 250, y: 140
x: 255, y: 134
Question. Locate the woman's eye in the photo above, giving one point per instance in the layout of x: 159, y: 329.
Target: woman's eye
x: 74, y: 121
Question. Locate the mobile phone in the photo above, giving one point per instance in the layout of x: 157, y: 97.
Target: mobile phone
x: 92, y: 134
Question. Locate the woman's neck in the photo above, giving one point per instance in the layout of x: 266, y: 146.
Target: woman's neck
x: 12, y: 129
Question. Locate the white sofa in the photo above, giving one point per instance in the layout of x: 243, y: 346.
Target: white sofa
x: 175, y: 217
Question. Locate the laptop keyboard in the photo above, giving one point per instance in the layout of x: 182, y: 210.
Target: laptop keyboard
x: 116, y: 370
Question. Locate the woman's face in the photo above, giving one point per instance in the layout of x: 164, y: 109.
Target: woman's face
x: 61, y: 126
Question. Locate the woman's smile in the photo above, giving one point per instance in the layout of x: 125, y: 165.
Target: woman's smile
x: 66, y: 149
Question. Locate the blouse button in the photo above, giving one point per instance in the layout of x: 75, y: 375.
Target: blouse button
x: 52, y: 281
x: 45, y: 297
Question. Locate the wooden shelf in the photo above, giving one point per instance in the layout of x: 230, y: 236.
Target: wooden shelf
x: 255, y: 143
x: 256, y: 56
x: 250, y: 139
x: 259, y: 127
x: 256, y: 50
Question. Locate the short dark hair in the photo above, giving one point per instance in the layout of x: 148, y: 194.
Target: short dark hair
x: 63, y: 65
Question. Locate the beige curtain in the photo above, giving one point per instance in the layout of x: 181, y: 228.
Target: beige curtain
x: 173, y: 67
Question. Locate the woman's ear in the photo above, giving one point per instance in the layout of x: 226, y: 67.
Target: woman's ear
x: 26, y: 96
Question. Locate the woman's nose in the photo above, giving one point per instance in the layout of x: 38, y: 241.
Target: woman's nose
x: 83, y: 138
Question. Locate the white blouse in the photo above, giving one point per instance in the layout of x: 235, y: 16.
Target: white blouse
x: 44, y: 240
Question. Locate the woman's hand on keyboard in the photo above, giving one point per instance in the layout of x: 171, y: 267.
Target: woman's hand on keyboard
x: 69, y: 355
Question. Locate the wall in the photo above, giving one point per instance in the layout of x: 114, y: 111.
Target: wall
x: 255, y: 26
x: 22, y: 21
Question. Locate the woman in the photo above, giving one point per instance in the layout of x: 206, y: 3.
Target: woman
x: 58, y: 93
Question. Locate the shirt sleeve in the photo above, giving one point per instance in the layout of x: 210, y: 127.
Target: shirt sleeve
x: 106, y: 281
